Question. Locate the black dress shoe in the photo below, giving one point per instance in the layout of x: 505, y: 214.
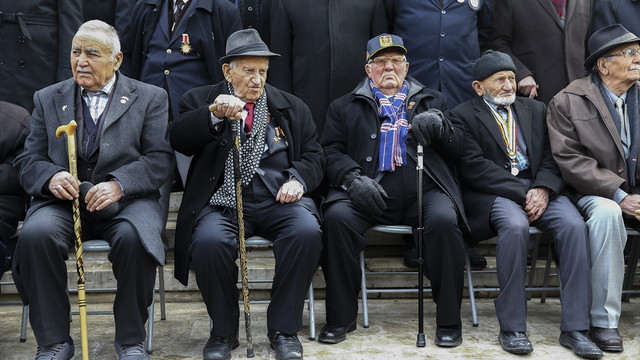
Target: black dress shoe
x: 287, y: 347
x: 449, y: 336
x: 334, y: 334
x: 515, y: 342
x: 476, y: 260
x: 410, y: 258
x: 219, y: 348
x: 607, y: 339
x: 579, y: 342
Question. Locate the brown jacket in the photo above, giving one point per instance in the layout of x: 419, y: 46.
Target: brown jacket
x: 585, y: 141
x: 531, y: 33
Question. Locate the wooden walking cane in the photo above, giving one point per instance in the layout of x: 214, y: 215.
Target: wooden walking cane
x: 237, y: 177
x: 419, y: 167
x: 70, y: 130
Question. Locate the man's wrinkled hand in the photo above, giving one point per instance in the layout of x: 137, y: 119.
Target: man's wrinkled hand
x: 536, y: 203
x: 63, y: 186
x: 289, y: 192
x: 103, y: 195
x: 367, y: 195
x: 227, y: 106
x: 528, y: 87
x: 630, y: 205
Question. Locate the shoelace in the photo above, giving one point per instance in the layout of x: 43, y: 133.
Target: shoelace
x: 135, y: 349
x: 49, y: 352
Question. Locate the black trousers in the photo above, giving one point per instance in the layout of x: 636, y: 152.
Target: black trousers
x: 40, y: 272
x: 11, y: 211
x: 344, y: 225
x: 297, y: 244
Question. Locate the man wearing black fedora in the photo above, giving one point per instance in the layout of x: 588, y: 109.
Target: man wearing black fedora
x: 281, y: 163
x: 593, y: 128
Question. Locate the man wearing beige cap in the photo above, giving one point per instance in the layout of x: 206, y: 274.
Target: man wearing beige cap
x: 593, y: 128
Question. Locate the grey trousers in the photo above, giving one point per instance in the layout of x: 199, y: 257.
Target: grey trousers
x: 564, y: 223
x: 607, y: 238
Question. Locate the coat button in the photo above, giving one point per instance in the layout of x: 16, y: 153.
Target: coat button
x: 21, y: 38
x: 223, y: 142
x: 368, y: 158
x: 193, y: 213
x: 89, y: 168
x: 212, y: 178
x: 507, y: 165
x: 443, y: 11
x: 168, y: 51
x: 21, y: 64
x: 373, y: 136
x: 166, y: 72
x: 620, y: 170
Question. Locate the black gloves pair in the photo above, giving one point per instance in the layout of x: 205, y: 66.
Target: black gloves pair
x: 366, y: 194
x: 428, y: 126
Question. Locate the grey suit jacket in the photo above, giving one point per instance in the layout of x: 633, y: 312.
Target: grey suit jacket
x: 134, y: 149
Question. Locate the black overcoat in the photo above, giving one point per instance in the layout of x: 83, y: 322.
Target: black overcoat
x: 191, y: 135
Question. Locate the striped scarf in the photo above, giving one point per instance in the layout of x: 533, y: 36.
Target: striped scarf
x: 394, y: 128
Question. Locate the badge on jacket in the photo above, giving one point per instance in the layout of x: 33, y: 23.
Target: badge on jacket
x: 185, y: 48
x: 475, y: 5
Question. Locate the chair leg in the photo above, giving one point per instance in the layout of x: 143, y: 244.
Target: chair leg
x: 363, y: 290
x: 312, y: 313
x: 630, y: 272
x: 23, y: 326
x: 163, y: 313
x: 150, y: 325
x: 472, y: 295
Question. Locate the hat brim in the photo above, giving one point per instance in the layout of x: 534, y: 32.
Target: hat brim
x: 397, y: 47
x: 259, y: 53
x: 591, y: 60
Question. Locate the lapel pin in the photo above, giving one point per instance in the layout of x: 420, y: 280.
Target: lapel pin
x: 124, y: 99
x: 64, y: 107
x: 411, y: 104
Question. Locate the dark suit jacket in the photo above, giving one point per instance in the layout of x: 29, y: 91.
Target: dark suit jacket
x: 30, y: 62
x: 191, y: 135
x: 134, y: 149
x: 485, y: 167
x: 531, y: 33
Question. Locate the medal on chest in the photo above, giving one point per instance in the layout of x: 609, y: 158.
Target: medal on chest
x: 185, y: 48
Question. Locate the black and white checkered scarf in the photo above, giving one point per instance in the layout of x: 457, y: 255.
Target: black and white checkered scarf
x: 249, y: 155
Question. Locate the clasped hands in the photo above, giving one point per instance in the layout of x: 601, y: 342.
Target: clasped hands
x: 227, y: 106
x: 536, y: 203
x: 64, y: 187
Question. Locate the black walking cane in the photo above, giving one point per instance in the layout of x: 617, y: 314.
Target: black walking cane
x: 237, y: 177
x: 419, y: 167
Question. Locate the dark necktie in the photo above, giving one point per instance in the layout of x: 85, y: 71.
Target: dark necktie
x: 177, y: 13
x: 248, y: 121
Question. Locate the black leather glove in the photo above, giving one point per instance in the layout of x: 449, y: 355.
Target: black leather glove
x: 108, y: 212
x: 367, y: 195
x: 427, y: 126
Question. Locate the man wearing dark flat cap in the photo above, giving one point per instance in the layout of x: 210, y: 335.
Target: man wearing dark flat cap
x: 281, y: 163
x: 593, y: 128
x: 510, y: 182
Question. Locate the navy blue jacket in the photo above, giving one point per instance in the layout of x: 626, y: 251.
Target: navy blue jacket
x: 442, y: 42
x: 208, y: 29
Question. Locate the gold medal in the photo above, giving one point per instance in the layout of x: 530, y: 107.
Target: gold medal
x: 185, y: 48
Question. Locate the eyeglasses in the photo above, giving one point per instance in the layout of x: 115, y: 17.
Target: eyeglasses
x: 629, y: 53
x: 397, y: 60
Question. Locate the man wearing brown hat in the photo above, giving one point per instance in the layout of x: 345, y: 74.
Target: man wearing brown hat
x: 510, y: 182
x: 281, y: 162
x: 593, y: 128
x: 371, y: 168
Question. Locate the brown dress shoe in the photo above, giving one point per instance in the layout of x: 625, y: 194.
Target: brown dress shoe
x: 607, y: 339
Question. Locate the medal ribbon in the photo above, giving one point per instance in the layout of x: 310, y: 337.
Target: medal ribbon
x: 509, y: 133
